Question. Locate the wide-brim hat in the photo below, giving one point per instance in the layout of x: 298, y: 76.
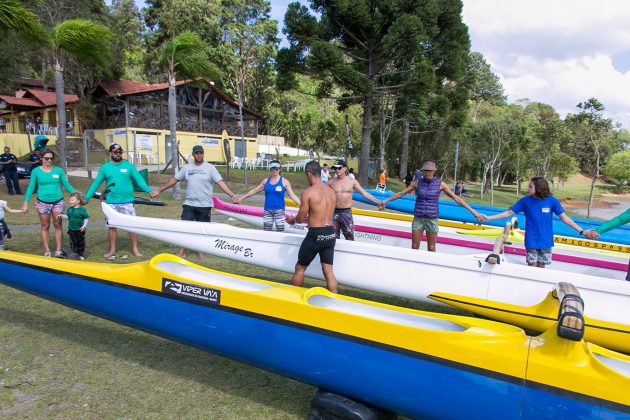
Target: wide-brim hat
x: 428, y: 166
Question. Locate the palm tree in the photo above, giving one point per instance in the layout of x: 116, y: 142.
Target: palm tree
x: 85, y: 40
x: 185, y: 56
x: 14, y: 17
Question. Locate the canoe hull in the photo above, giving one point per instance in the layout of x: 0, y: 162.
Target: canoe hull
x: 397, y: 233
x: 392, y: 377
x: 391, y: 270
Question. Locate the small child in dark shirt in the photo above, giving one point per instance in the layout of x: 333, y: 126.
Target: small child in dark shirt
x: 78, y: 218
x: 4, y: 229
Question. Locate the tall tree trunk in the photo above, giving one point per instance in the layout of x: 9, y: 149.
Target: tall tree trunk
x: 595, y: 176
x: 492, y: 185
x: 366, y: 137
x: 172, y: 121
x: 61, y: 115
x: 404, y: 153
x: 381, y: 146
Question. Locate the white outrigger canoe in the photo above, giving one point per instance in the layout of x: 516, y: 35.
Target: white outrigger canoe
x: 392, y: 232
x: 392, y: 270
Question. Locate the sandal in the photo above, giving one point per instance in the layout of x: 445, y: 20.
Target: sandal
x: 110, y: 258
x: 47, y: 254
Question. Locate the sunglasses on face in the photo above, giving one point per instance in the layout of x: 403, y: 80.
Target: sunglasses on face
x: 274, y: 169
x: 48, y: 158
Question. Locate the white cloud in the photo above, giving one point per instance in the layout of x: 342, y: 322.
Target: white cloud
x: 556, y: 51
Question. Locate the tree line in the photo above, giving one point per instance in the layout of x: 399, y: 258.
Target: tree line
x: 392, y: 79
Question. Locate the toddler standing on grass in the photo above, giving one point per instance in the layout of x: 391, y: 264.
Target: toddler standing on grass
x: 4, y: 229
x: 77, y: 223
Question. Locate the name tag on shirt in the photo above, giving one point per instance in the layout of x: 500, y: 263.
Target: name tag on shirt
x: 546, y: 209
x: 278, y: 188
x: 55, y: 176
x: 123, y: 170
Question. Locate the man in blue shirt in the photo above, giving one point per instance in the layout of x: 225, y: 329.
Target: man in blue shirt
x: 9, y: 164
x: 539, y: 207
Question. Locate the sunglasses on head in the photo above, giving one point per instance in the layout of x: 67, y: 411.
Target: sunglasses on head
x: 48, y: 158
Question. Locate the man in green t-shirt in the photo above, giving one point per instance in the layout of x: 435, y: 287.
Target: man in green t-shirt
x: 119, y: 176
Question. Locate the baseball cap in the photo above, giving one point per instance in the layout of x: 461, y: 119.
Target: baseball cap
x: 340, y: 163
x: 197, y: 148
x: 274, y: 164
x: 115, y: 146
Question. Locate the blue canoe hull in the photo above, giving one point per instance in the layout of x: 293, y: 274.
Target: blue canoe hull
x: 450, y: 210
x: 406, y: 382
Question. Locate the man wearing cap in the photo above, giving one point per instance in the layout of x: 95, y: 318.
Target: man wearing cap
x: 274, y: 187
x: 119, y: 176
x: 9, y: 163
x: 200, y: 178
x: 426, y: 211
x: 344, y: 186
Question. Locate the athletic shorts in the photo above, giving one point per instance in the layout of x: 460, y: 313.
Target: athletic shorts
x: 196, y: 214
x: 538, y: 256
x: 320, y: 241
x: 123, y: 208
x: 343, y: 223
x: 57, y: 207
x: 426, y: 224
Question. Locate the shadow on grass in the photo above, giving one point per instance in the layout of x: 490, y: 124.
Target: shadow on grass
x: 97, y: 335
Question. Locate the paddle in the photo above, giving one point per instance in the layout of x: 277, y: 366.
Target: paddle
x: 136, y: 200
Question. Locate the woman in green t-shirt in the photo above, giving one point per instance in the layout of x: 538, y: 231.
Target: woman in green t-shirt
x: 48, y: 180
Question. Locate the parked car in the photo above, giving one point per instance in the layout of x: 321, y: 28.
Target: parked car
x: 24, y: 170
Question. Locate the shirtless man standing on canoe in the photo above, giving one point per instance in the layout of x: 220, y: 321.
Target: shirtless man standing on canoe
x: 344, y: 186
x: 317, y: 206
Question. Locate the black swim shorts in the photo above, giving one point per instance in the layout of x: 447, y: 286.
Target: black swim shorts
x: 320, y: 241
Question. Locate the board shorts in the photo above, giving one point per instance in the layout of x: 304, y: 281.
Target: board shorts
x: 320, y: 240
x: 57, y: 207
x: 271, y: 217
x: 196, y: 214
x: 123, y: 208
x: 426, y: 224
x: 538, y: 256
x: 344, y: 223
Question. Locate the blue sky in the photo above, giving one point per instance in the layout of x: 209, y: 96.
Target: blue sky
x: 560, y: 52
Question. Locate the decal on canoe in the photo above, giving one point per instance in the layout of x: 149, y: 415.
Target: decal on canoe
x: 191, y: 291
x: 236, y: 249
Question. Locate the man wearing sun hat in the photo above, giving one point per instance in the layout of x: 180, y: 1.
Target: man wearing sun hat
x: 426, y: 210
x: 200, y: 177
x: 275, y: 187
x: 119, y: 176
x: 344, y: 186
